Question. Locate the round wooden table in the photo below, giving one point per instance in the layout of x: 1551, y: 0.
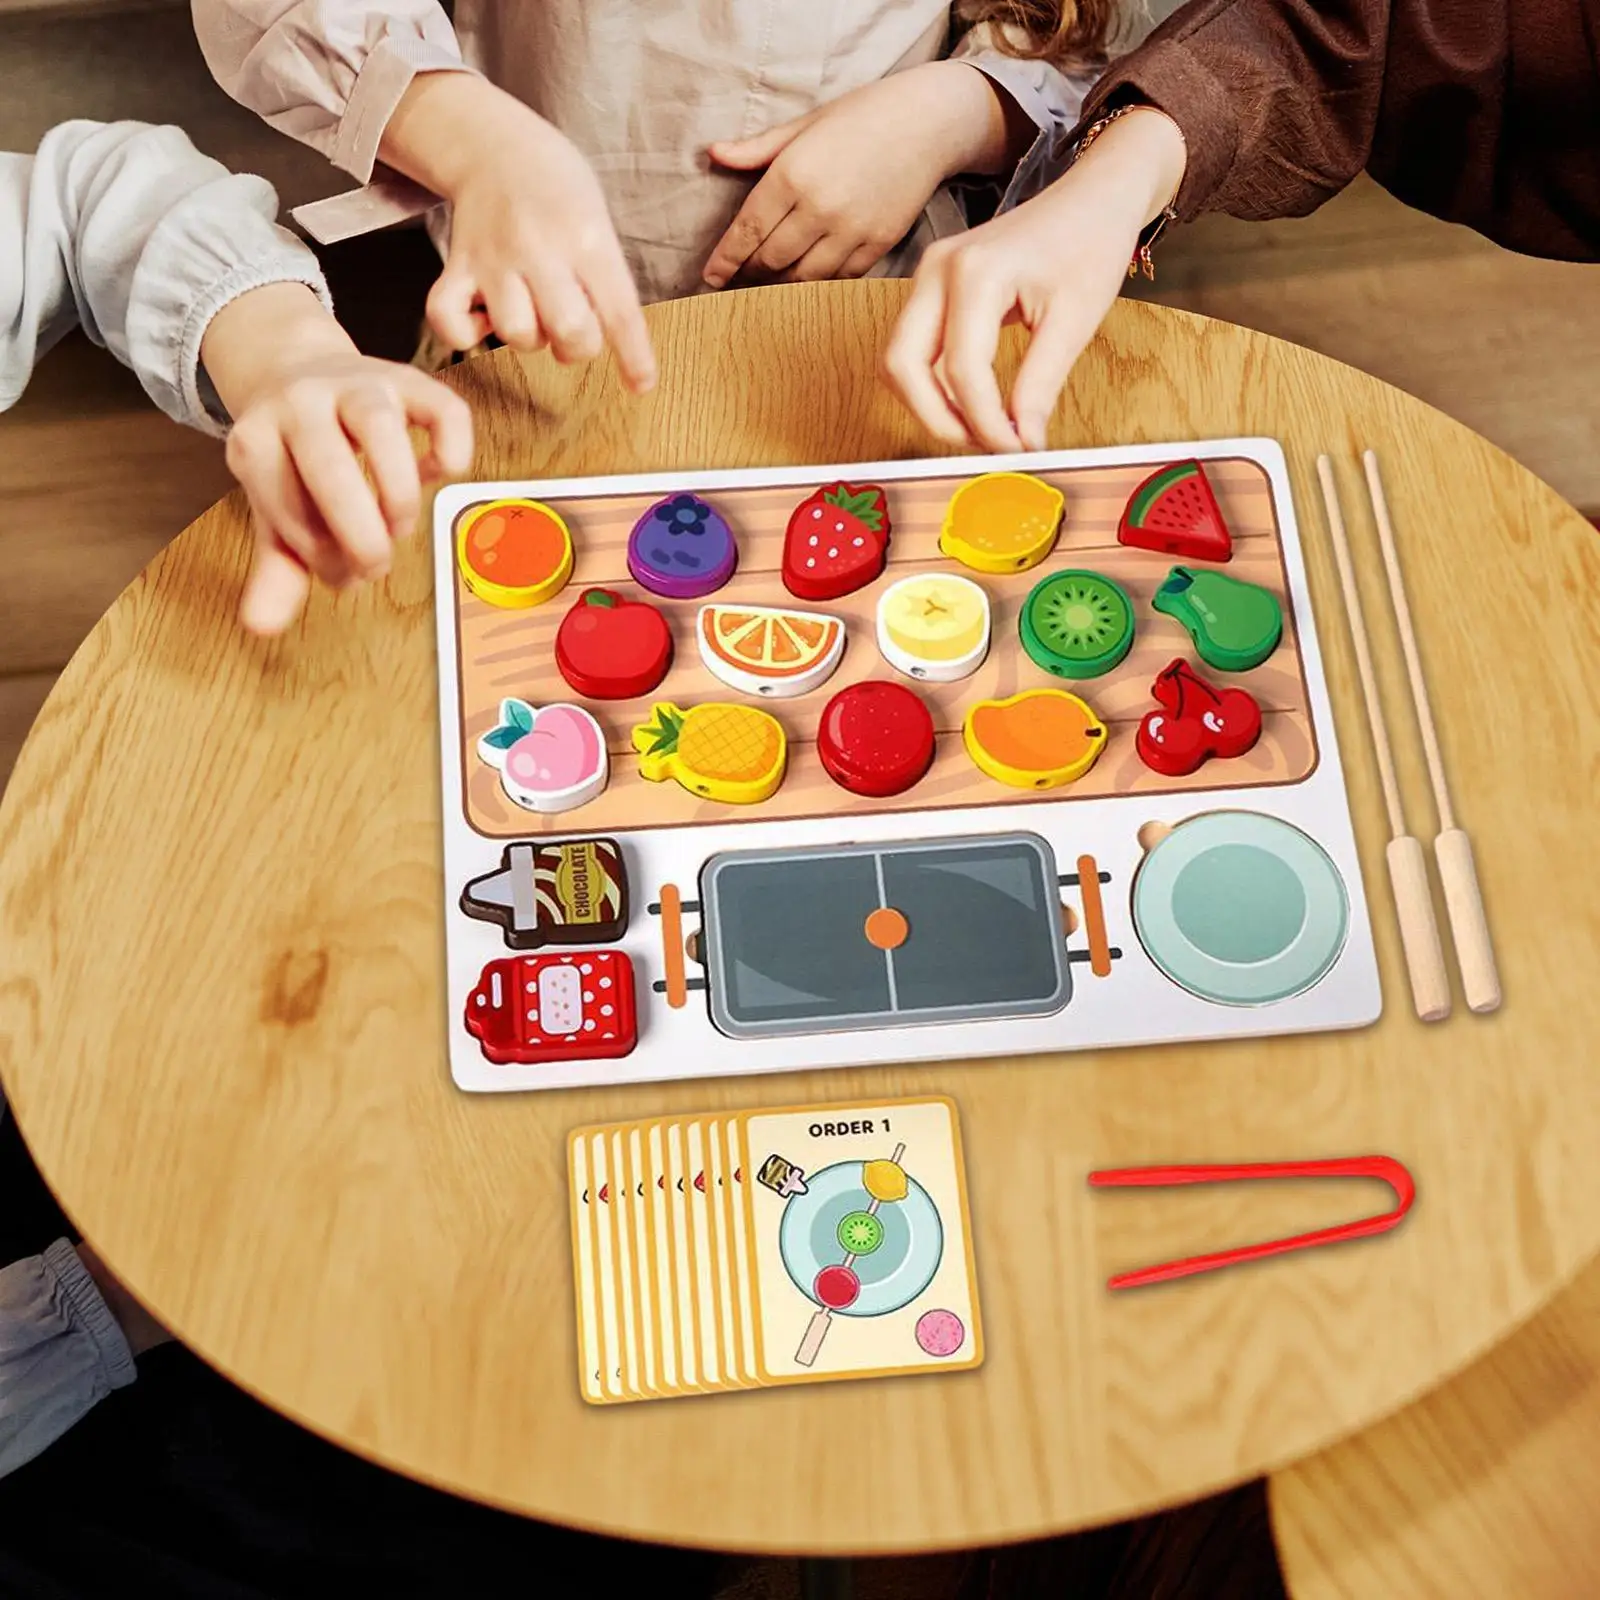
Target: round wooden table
x: 222, y: 1028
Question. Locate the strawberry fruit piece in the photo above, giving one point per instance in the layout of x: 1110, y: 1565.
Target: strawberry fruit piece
x: 837, y: 541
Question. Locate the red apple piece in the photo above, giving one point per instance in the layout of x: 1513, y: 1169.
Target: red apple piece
x: 612, y: 648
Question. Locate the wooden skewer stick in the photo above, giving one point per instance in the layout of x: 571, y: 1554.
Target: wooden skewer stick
x: 1408, y: 867
x: 1458, y: 873
x: 821, y: 1321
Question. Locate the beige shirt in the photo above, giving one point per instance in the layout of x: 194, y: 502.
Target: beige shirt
x: 642, y: 87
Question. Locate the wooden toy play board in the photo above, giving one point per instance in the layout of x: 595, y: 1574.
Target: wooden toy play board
x: 651, y: 932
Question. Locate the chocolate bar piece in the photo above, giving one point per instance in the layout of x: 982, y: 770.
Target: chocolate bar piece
x: 574, y: 891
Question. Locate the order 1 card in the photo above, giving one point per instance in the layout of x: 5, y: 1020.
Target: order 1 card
x: 861, y: 1241
x: 585, y: 1288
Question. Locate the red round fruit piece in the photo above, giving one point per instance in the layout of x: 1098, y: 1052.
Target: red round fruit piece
x: 876, y: 738
x: 836, y: 1288
x: 612, y: 648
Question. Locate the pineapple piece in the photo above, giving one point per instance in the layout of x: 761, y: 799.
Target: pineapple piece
x: 730, y: 753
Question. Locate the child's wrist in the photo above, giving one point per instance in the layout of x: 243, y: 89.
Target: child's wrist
x: 1149, y: 156
x: 255, y: 341
x: 983, y: 129
x: 436, y: 134
x: 1006, y: 129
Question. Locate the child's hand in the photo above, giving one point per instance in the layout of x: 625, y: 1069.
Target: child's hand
x: 320, y: 446
x: 533, y: 258
x: 1055, y: 264
x: 845, y: 183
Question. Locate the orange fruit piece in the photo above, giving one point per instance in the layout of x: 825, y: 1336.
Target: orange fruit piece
x: 763, y: 650
x: 1040, y: 739
x: 513, y: 553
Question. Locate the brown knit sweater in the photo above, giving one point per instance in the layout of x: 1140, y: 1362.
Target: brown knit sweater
x: 1483, y: 112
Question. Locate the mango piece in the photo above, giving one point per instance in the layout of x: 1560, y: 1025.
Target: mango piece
x: 1040, y: 739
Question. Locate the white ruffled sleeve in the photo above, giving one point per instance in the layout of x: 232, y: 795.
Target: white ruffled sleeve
x: 130, y: 231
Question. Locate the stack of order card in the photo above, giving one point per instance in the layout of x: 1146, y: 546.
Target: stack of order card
x: 773, y: 1247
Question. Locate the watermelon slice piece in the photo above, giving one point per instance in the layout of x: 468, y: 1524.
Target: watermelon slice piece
x: 1175, y: 512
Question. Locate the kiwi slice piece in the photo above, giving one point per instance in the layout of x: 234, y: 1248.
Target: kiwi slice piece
x: 1077, y: 624
x: 860, y: 1233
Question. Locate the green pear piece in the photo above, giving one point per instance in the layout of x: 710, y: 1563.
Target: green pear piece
x: 1235, y: 625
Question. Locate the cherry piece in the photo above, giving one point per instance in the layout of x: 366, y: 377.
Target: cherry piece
x: 1196, y: 722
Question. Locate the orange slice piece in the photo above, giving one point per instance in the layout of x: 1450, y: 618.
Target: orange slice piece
x: 763, y: 650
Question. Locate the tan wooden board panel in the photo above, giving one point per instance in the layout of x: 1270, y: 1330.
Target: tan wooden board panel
x: 511, y: 654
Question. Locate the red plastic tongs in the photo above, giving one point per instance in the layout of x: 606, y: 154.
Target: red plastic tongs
x: 1383, y: 1167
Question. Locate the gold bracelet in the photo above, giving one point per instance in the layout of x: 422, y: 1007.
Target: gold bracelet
x: 1152, y: 231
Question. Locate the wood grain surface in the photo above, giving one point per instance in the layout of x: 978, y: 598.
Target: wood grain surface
x: 1483, y: 1490
x: 503, y: 653
x: 222, y: 1025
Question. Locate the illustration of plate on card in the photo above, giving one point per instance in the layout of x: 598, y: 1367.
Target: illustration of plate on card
x: 892, y: 1248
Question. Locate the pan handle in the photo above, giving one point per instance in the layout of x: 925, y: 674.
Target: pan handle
x: 672, y: 946
x: 1094, y: 917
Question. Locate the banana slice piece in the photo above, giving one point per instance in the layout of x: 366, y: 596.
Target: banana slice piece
x: 934, y: 627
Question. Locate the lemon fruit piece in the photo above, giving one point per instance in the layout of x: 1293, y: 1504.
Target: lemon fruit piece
x: 885, y: 1181
x: 1002, y: 522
